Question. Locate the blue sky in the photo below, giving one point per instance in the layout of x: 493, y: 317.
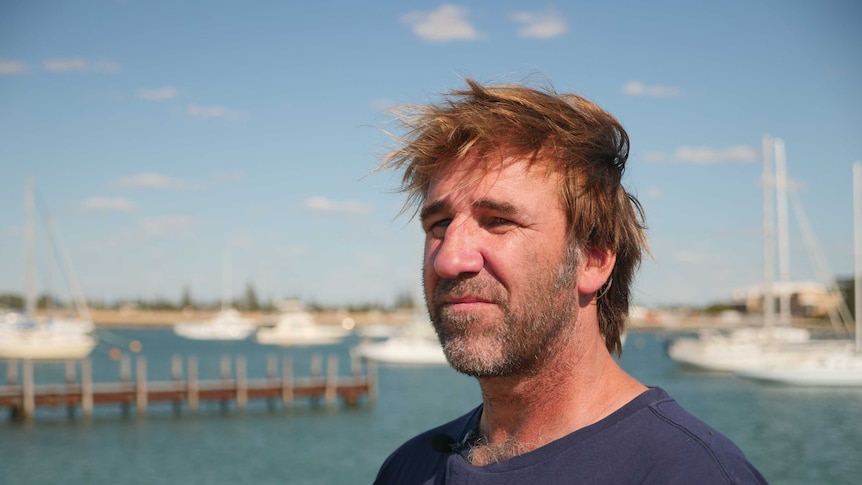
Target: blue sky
x: 160, y: 133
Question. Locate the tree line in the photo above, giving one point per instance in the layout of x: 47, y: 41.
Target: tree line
x: 248, y: 301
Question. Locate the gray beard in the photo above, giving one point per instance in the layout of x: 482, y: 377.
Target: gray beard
x: 526, y: 336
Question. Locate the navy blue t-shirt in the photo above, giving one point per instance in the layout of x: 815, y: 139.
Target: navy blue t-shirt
x: 650, y: 440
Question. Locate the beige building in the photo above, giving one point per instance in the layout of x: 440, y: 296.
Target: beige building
x: 807, y: 298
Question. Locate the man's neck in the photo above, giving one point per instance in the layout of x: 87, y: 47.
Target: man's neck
x: 580, y: 386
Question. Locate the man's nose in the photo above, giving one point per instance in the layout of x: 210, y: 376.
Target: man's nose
x: 459, y: 251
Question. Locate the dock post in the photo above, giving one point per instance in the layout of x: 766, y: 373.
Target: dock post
x: 271, y: 377
x: 193, y: 397
x: 141, y: 385
x: 331, y: 383
x: 70, y: 372
x: 125, y: 381
x: 316, y: 366
x: 271, y: 367
x: 27, y: 389
x: 86, y: 388
x: 286, y: 381
x: 241, y: 383
x: 225, y: 377
x: 70, y: 386
x: 12, y: 373
x: 355, y: 365
x: 371, y: 380
x: 177, y: 378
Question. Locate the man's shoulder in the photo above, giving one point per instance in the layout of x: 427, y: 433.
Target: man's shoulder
x: 676, y: 441
x: 419, y: 458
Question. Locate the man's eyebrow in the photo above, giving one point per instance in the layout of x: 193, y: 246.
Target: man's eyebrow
x: 502, y: 207
x: 432, y: 208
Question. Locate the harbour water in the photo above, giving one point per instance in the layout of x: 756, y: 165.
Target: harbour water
x: 794, y: 436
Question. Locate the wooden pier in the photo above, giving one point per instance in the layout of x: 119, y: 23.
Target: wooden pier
x: 22, y: 395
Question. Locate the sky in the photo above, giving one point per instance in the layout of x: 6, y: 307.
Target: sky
x: 163, y: 135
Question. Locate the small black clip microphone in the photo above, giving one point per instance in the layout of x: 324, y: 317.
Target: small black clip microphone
x: 446, y: 444
x: 443, y: 443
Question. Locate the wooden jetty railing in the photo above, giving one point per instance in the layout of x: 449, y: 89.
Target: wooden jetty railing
x: 22, y: 396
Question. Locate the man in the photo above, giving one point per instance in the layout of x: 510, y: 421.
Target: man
x: 530, y: 250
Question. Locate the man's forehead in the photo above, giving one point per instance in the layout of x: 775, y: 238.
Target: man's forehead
x: 482, y: 171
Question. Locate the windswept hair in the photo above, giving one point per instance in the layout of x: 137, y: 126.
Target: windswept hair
x: 586, y: 144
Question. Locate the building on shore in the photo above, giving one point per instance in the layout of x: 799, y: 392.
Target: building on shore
x: 808, y: 299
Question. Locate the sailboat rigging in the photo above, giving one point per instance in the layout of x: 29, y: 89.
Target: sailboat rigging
x: 28, y: 336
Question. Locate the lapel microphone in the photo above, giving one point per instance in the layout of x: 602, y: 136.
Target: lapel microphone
x: 443, y: 443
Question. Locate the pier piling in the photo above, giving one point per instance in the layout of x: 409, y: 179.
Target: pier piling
x: 22, y: 395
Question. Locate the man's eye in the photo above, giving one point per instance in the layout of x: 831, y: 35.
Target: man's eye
x: 438, y: 228
x: 499, y: 222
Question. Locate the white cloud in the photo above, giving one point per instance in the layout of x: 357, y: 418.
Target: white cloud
x: 637, y: 88
x: 12, y: 67
x: 706, y: 155
x: 108, y: 204
x: 78, y: 64
x: 447, y: 23
x: 151, y: 180
x: 158, y: 94
x: 325, y: 206
x: 213, y: 111
x: 162, y: 226
x: 539, y: 25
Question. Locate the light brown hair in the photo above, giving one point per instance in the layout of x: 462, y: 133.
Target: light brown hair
x: 585, y: 143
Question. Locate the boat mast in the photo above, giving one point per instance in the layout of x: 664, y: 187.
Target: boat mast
x: 783, y: 236
x: 29, y: 241
x: 225, y: 280
x: 768, y: 226
x: 857, y: 237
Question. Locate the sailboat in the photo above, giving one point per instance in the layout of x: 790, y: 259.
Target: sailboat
x: 747, y: 347
x: 297, y: 327
x: 415, y: 343
x: 228, y: 323
x: 26, y: 336
x: 838, y: 365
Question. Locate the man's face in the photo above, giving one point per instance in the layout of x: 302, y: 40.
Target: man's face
x: 499, y: 281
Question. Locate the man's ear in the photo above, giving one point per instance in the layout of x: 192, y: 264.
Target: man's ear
x: 596, y: 270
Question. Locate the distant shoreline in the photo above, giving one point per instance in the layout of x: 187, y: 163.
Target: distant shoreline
x: 126, y: 318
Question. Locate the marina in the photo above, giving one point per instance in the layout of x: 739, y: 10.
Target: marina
x: 795, y: 435
x: 22, y: 396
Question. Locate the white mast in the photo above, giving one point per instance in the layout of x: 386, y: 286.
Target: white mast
x: 29, y: 241
x: 768, y: 226
x: 783, y: 232
x: 857, y: 237
x: 225, y: 280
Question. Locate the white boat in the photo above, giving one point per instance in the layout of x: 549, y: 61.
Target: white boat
x: 836, y: 365
x: 45, y: 339
x: 770, y: 343
x: 415, y: 343
x: 228, y: 324
x: 825, y: 369
x: 26, y: 336
x: 297, y: 327
x: 738, y: 349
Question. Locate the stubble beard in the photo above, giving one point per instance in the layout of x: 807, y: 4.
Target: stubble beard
x: 522, y: 337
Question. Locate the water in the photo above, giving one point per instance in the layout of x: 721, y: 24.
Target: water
x: 793, y: 435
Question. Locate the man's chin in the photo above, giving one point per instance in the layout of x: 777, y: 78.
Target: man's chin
x: 473, y: 358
